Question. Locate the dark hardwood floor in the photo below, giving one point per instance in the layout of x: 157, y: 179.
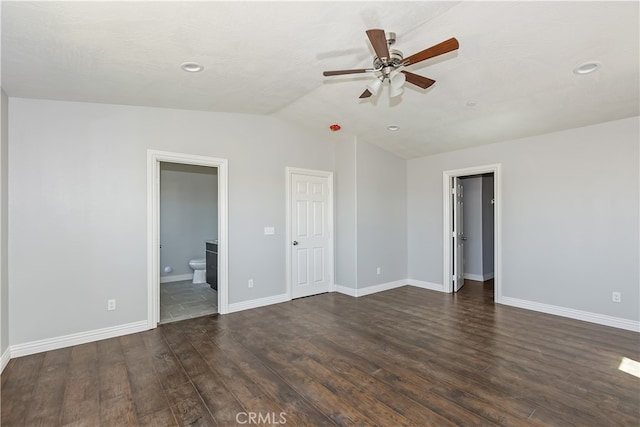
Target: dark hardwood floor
x: 402, y: 357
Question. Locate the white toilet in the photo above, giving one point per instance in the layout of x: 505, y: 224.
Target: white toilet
x: 199, y: 270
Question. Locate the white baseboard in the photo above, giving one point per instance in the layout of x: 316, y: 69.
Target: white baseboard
x: 260, y: 302
x: 4, y: 359
x: 426, y: 285
x: 370, y: 289
x: 600, y: 319
x: 478, y: 277
x: 130, y: 328
x: 176, y: 278
x: 76, y: 339
x: 352, y: 292
x: 381, y: 287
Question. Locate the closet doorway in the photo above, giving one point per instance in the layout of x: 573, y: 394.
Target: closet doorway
x: 477, y: 217
x: 464, y: 258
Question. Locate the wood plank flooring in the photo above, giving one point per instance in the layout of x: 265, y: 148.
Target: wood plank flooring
x: 407, y: 356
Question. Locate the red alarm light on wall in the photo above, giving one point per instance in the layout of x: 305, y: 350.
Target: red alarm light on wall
x: 334, y: 127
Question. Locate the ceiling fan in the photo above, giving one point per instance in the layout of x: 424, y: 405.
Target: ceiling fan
x: 388, y: 64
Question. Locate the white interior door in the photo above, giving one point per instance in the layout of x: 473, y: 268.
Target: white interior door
x: 457, y: 199
x: 310, y: 233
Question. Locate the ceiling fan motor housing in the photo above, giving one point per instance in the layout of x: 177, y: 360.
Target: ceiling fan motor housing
x: 391, y: 38
x: 393, y: 62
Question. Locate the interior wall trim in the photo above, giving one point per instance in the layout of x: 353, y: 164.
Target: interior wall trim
x: 176, y: 278
x: 426, y: 285
x: 76, y: 339
x: 352, y: 292
x: 478, y: 277
x: 447, y: 215
x: 154, y: 158
x: 368, y: 290
x: 600, y: 319
x: 131, y: 328
x: 258, y: 302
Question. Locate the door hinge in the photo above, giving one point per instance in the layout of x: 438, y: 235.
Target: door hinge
x: 453, y: 191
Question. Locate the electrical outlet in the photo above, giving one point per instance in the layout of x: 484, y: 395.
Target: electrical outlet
x: 616, y: 297
x: 111, y: 304
x: 251, y: 283
x: 269, y: 231
x: 378, y: 271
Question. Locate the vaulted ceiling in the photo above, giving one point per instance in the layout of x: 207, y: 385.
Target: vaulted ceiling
x: 512, y: 76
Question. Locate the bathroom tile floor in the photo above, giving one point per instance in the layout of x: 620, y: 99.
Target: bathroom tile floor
x: 186, y: 300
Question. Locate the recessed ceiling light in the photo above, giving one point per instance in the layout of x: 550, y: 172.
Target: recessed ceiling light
x: 587, y: 67
x: 192, y: 67
x: 393, y: 128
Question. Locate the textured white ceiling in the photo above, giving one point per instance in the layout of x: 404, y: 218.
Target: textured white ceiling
x: 515, y: 62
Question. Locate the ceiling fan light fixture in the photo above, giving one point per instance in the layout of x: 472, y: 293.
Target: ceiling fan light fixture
x: 191, y: 67
x: 587, y: 68
x: 395, y: 91
x: 397, y: 79
x: 374, y: 86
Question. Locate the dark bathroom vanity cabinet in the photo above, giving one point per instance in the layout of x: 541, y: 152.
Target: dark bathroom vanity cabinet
x: 212, y: 264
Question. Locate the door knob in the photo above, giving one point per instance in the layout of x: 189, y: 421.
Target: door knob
x: 295, y: 242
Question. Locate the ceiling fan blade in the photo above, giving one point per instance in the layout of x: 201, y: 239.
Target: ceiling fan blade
x: 340, y: 72
x: 379, y: 42
x: 365, y: 94
x: 439, y: 49
x: 417, y: 80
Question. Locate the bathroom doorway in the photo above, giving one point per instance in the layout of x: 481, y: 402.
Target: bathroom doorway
x: 188, y: 226
x: 163, y: 269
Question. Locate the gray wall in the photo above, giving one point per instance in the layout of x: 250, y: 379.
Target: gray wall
x: 381, y: 180
x: 487, y: 226
x: 570, y: 203
x: 371, y: 216
x: 345, y: 182
x: 4, y: 225
x: 77, y: 190
x: 472, y: 217
x: 188, y: 214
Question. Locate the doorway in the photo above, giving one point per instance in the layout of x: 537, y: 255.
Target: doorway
x: 154, y: 161
x: 456, y: 235
x: 477, y: 233
x: 188, y: 225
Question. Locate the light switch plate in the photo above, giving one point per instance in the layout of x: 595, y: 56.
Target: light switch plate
x: 268, y: 231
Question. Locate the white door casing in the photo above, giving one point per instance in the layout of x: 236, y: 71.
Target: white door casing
x: 154, y: 158
x: 447, y: 228
x: 309, y: 232
x: 457, y: 201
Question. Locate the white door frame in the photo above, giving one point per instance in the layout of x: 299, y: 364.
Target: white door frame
x: 496, y: 169
x: 154, y: 158
x: 324, y: 174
